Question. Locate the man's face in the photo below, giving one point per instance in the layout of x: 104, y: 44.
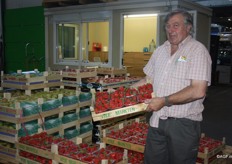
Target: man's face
x: 176, y: 29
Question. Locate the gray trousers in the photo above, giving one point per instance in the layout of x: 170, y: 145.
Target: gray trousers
x: 175, y: 141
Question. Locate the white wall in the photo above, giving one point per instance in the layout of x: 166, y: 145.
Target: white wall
x: 13, y: 4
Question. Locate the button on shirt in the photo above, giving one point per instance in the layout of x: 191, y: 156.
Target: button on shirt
x: 172, y: 73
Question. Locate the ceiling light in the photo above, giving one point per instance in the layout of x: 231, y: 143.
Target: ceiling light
x: 139, y: 15
x: 229, y: 19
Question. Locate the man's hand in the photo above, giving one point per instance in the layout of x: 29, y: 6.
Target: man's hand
x: 155, y: 104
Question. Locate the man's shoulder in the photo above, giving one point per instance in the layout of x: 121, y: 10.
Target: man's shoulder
x: 196, y: 43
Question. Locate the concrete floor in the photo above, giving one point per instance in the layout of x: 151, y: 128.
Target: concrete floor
x: 217, y: 116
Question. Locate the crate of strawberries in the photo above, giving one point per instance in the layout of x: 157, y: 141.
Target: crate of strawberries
x: 119, y: 102
x: 46, y: 149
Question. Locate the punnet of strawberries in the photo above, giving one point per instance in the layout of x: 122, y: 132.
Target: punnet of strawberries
x: 135, y: 133
x: 122, y: 97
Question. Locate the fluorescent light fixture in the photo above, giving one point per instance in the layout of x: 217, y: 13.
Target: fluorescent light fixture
x: 139, y: 15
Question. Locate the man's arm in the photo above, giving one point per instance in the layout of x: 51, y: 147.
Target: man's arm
x: 196, y: 90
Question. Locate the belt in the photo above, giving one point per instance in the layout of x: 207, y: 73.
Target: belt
x: 172, y: 118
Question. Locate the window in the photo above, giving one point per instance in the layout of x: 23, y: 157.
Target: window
x: 83, y: 41
x: 68, y: 41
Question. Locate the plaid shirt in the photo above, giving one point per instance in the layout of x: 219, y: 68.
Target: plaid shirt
x: 172, y: 73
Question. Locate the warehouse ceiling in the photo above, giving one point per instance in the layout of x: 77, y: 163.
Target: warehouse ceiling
x: 222, y: 9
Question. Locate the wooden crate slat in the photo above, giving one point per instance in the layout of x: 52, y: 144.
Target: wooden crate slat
x: 7, y: 150
x: 123, y: 144
x: 8, y: 110
x: 66, y: 160
x: 10, y: 139
x: 119, y: 112
x: 8, y: 130
x: 26, y: 160
x: 5, y: 159
x: 211, y: 153
x: 34, y: 150
x: 85, y: 119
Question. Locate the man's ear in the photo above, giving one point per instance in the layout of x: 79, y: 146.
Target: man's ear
x: 189, y: 28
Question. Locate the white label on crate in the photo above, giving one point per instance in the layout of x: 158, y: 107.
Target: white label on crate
x: 104, y: 133
x: 78, y: 140
x: 19, y: 71
x: 102, y: 145
x: 45, y: 73
x: 137, y: 120
x: 121, y: 126
x: 7, y: 95
x: 60, y: 96
x: 40, y: 100
x: 104, y: 161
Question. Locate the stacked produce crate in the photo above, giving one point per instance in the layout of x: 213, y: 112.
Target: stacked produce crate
x: 112, y: 106
x: 210, y: 150
x: 120, y: 102
x: 131, y: 135
x: 57, y: 111
x: 115, y: 82
x: 76, y: 78
x: 112, y: 72
x: 45, y: 149
x: 31, y: 80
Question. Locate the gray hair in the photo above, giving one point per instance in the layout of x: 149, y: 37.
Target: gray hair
x: 188, y: 19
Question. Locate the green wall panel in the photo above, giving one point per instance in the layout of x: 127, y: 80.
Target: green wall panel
x: 17, y: 34
x: 24, y: 33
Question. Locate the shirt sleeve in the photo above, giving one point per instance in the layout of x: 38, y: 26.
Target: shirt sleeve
x: 200, y: 68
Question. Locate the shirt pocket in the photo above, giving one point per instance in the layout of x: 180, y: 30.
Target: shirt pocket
x: 181, y: 70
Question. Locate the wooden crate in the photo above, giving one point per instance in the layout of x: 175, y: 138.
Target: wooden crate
x: 120, y: 143
x: 14, y: 116
x: 123, y: 144
x: 118, y: 112
x: 112, y: 71
x: 210, y: 156
x: 126, y: 82
x: 7, y: 155
x: 28, y: 82
x: 73, y: 77
x: 108, y: 125
x: 51, y: 154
